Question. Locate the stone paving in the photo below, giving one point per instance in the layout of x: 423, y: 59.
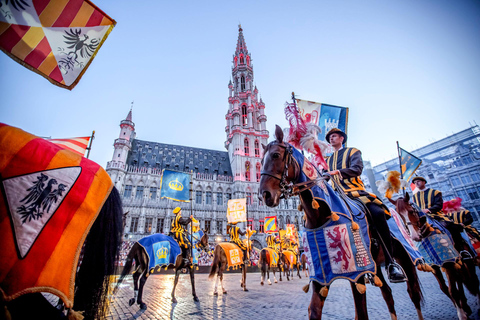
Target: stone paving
x: 282, y: 300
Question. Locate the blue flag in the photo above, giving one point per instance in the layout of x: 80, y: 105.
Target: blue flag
x: 175, y: 185
x: 409, y: 163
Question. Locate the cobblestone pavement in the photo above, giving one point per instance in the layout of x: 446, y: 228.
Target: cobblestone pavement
x: 282, y: 300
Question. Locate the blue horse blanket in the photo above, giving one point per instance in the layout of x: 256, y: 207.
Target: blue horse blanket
x: 398, y: 231
x: 335, y: 250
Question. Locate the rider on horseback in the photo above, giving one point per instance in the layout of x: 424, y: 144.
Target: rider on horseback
x: 431, y: 203
x: 346, y: 166
x: 178, y: 232
x: 272, y: 242
x: 235, y: 234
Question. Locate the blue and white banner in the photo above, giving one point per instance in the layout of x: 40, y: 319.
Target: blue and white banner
x: 175, y: 186
x: 326, y: 116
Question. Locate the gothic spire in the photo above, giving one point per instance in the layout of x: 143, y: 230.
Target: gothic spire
x: 241, y: 45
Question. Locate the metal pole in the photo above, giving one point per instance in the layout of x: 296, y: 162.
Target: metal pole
x: 90, y: 144
x: 400, y: 163
x: 191, y: 213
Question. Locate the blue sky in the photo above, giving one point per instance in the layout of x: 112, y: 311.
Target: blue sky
x: 408, y: 71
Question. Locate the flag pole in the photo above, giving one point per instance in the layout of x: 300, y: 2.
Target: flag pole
x: 248, y: 236
x: 191, y: 213
x: 90, y: 143
x: 400, y: 163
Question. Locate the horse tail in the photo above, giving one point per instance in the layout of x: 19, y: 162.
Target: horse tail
x: 128, y: 264
x: 100, y: 259
x: 215, y: 263
x: 263, y: 260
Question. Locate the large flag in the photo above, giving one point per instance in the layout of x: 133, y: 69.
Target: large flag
x: 292, y: 232
x: 237, y: 210
x: 49, y: 201
x: 78, y: 145
x: 326, y: 116
x: 56, y: 39
x: 271, y: 224
x: 409, y: 163
x: 175, y: 186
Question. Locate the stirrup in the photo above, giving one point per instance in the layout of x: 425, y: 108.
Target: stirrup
x: 465, y: 255
x: 393, y: 280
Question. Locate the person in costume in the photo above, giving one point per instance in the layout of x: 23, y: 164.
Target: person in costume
x: 179, y: 233
x: 235, y: 232
x: 345, y: 166
x: 430, y: 201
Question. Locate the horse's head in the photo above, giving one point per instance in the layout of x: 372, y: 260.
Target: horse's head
x: 203, y: 242
x: 278, y: 170
x: 409, y: 212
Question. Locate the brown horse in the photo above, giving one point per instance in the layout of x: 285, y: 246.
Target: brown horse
x: 279, y: 179
x: 138, y: 254
x: 303, y: 259
x: 220, y: 262
x: 265, y: 264
x: 456, y: 278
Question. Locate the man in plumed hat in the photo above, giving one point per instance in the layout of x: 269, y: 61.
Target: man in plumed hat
x: 430, y: 201
x: 179, y: 233
x: 345, y: 167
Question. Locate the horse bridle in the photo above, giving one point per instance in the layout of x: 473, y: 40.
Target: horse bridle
x: 286, y: 188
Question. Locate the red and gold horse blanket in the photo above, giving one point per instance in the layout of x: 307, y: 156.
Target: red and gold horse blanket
x: 292, y: 257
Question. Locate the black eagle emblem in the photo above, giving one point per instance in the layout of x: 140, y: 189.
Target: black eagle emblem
x: 40, y: 198
x: 79, y: 45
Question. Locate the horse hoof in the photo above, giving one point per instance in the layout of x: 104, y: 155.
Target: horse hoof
x: 143, y: 306
x: 224, y: 292
x: 277, y: 281
x: 131, y: 302
x: 195, y: 298
x: 174, y: 300
x: 245, y: 289
x: 261, y: 283
x: 215, y: 294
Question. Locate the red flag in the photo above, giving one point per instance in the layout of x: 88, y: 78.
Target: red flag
x: 77, y: 145
x: 56, y: 39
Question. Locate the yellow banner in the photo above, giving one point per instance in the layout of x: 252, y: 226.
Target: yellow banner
x: 237, y: 210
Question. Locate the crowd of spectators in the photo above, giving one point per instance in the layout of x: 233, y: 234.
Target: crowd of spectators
x: 125, y: 249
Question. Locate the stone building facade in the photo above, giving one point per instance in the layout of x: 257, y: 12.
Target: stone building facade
x: 217, y: 176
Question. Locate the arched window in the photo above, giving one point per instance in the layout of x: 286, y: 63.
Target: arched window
x: 246, y: 147
x: 257, y: 149
x: 244, y: 115
x: 247, y: 171
x: 242, y: 83
x: 259, y: 171
x: 242, y: 61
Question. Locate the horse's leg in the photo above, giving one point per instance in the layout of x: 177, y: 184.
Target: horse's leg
x: 298, y: 271
x: 192, y: 280
x: 387, y: 295
x: 136, y: 275
x: 316, y: 303
x: 360, y: 300
x: 452, y: 289
x: 177, y: 273
x: 461, y: 294
x: 143, y: 279
x: 244, y: 277
x: 221, y: 281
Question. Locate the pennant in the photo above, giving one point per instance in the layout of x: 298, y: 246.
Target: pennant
x: 409, y: 164
x: 175, y: 186
x: 77, y: 145
x: 49, y: 201
x: 271, y: 224
x: 326, y: 116
x: 237, y: 210
x: 56, y: 39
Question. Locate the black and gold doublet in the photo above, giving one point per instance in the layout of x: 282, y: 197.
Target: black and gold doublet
x: 432, y: 200
x: 179, y: 232
x: 235, y: 233
x: 350, y: 164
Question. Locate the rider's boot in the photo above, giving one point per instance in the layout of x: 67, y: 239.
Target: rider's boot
x: 395, y: 273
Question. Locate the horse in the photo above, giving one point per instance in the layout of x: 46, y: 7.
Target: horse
x: 139, y: 254
x: 220, y: 262
x: 280, y: 178
x: 287, y: 256
x: 419, y: 229
x: 303, y: 259
x: 265, y: 263
x: 78, y: 246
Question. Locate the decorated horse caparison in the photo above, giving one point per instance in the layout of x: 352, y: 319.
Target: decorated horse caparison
x: 270, y: 260
x: 436, y: 238
x: 286, y: 172
x: 229, y: 255
x: 66, y: 202
x: 154, y: 252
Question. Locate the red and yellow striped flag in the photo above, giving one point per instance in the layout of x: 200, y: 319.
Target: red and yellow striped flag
x: 57, y: 39
x: 50, y: 199
x: 77, y: 145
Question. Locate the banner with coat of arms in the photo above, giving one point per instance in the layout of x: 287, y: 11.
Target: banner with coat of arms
x: 175, y: 185
x: 56, y: 39
x: 270, y: 224
x: 237, y: 210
